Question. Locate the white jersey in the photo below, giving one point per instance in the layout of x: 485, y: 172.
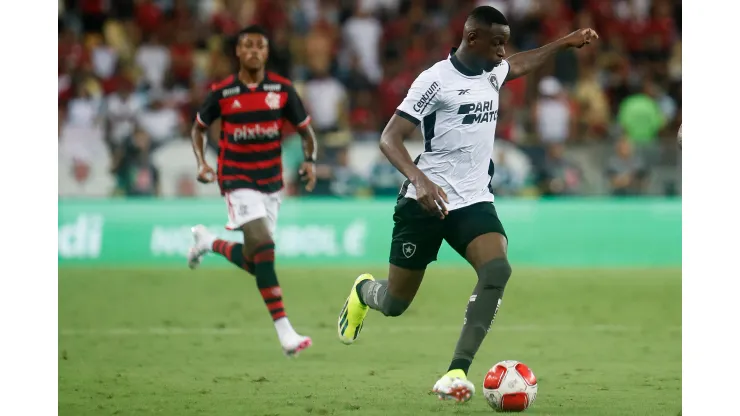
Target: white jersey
x: 457, y: 110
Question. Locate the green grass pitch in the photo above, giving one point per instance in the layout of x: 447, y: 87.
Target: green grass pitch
x: 176, y: 342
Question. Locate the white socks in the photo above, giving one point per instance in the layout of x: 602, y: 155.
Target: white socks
x: 285, y: 330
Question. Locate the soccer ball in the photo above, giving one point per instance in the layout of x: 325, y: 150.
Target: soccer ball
x: 510, y: 386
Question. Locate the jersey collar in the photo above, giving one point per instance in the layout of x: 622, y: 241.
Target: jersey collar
x: 460, y: 66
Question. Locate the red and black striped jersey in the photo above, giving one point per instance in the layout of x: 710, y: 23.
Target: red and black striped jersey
x: 251, y: 123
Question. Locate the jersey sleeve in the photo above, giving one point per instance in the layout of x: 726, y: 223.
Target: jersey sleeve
x: 209, y: 111
x: 294, y: 111
x: 505, y: 69
x: 423, y: 98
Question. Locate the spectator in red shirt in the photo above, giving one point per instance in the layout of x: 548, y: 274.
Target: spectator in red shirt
x: 71, y: 52
x: 148, y: 16
x: 662, y: 24
x: 417, y: 53
x: 556, y: 15
x: 181, y: 53
x: 223, y: 22
x: 112, y: 83
x: 271, y: 15
x: 362, y: 118
x: 393, y: 87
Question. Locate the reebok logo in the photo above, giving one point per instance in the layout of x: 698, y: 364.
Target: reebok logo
x: 463, y: 92
x: 426, y: 98
x: 480, y: 112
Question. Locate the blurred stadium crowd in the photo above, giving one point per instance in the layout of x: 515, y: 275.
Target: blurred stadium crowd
x: 597, y: 121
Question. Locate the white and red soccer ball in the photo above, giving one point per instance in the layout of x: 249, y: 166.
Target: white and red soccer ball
x: 510, y: 386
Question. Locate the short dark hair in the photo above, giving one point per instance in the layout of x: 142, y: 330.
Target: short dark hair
x: 252, y: 30
x: 487, y: 15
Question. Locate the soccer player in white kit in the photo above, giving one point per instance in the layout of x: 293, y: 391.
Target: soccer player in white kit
x: 447, y: 194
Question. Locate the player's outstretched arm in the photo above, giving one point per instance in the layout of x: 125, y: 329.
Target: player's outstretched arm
x: 430, y: 196
x: 525, y: 62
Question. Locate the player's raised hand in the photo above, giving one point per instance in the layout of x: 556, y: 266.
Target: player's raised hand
x: 308, y: 175
x: 581, y: 37
x: 431, y: 197
x: 206, y: 174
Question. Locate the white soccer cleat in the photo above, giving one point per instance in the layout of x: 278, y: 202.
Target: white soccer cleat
x: 292, y: 347
x: 451, y: 387
x: 202, y: 241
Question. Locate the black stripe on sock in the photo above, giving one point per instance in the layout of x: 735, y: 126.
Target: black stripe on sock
x: 263, y: 248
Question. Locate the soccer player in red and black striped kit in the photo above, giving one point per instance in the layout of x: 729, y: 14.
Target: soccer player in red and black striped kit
x: 252, y: 106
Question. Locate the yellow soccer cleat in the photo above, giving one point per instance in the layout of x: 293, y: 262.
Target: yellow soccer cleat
x: 454, y: 386
x: 353, y: 313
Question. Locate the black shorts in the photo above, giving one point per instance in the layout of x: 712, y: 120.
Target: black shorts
x: 417, y: 236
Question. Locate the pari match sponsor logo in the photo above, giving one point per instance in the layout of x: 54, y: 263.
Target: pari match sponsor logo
x: 480, y: 112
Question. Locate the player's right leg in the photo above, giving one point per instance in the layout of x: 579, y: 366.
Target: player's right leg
x: 390, y: 296
x: 478, y: 235
x: 417, y: 237
x: 259, y: 244
x: 243, y: 206
x: 255, y: 214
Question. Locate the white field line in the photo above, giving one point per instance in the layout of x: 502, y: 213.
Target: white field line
x: 168, y: 331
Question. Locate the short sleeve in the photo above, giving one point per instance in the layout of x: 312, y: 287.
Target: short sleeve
x: 294, y: 110
x: 505, y: 69
x: 209, y: 111
x: 424, y: 97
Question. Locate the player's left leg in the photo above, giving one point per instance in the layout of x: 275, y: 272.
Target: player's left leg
x: 476, y: 233
x: 416, y: 239
x: 256, y: 215
x: 205, y: 242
